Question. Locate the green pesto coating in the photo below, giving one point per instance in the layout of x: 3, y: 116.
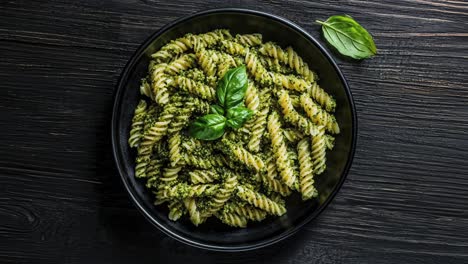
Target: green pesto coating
x: 247, y: 174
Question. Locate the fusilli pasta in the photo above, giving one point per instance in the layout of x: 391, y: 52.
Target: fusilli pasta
x: 246, y: 174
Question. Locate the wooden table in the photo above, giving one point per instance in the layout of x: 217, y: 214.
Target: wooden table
x: 61, y: 201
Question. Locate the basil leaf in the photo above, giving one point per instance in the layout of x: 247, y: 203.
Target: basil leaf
x: 216, y: 109
x: 237, y: 116
x: 348, y: 37
x: 231, y: 88
x: 208, y: 127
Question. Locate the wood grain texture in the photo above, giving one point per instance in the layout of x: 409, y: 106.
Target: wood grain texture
x: 61, y: 201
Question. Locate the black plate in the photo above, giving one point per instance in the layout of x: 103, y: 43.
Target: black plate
x: 214, y: 235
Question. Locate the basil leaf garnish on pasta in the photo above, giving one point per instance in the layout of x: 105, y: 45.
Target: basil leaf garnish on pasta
x: 216, y: 109
x: 231, y: 88
x: 208, y: 127
x: 237, y: 116
x: 230, y: 93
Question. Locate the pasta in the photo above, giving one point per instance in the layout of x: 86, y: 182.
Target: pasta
x: 203, y: 176
x: 195, y: 88
x: 318, y: 115
x: 280, y: 150
x: 246, y: 175
x: 241, y: 155
x: 176, y: 210
x: 223, y: 195
x: 259, y: 200
x: 232, y: 219
x: 136, y: 131
x: 184, y: 190
x: 319, y: 148
x: 233, y: 48
x: 292, y: 116
x: 258, y: 128
x: 195, y: 214
x: 306, y: 170
x: 247, y: 211
x: 249, y: 39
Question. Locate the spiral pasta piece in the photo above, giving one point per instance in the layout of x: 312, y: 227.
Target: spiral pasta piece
x: 319, y: 149
x: 252, y: 100
x: 307, y: 187
x: 176, y: 210
x: 293, y: 117
x: 170, y: 174
x: 196, y: 88
x: 141, y: 162
x: 212, y: 38
x: 270, y: 178
x: 247, y: 211
x: 159, y: 84
x: 195, y: 215
x: 258, y: 129
x: 191, y: 144
x: 275, y: 185
x: 260, y: 201
x: 181, y: 118
x: 292, y: 135
x: 136, y: 131
x: 208, y: 65
x: 183, y: 190
x: 233, y: 48
x: 199, y: 106
x: 158, y: 129
x: 322, y: 97
x: 174, y: 149
x: 278, y: 144
x: 223, y: 194
x: 249, y: 39
x: 275, y: 51
x: 301, y: 68
x: 145, y: 88
x: 178, y: 46
x: 185, y: 62
x: 203, y: 176
x: 257, y: 70
x: 290, y: 82
x: 232, y: 219
x: 241, y: 155
x: 157, y: 72
x: 153, y: 172
x: 289, y: 57
x: 318, y: 115
x: 274, y: 65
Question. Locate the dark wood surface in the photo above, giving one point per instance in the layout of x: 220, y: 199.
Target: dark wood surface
x: 61, y: 200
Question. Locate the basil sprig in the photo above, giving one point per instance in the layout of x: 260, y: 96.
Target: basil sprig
x: 230, y: 110
x: 348, y: 37
x: 237, y: 116
x: 231, y: 88
x: 208, y: 127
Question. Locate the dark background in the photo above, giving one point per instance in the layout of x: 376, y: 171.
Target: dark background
x: 61, y: 200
